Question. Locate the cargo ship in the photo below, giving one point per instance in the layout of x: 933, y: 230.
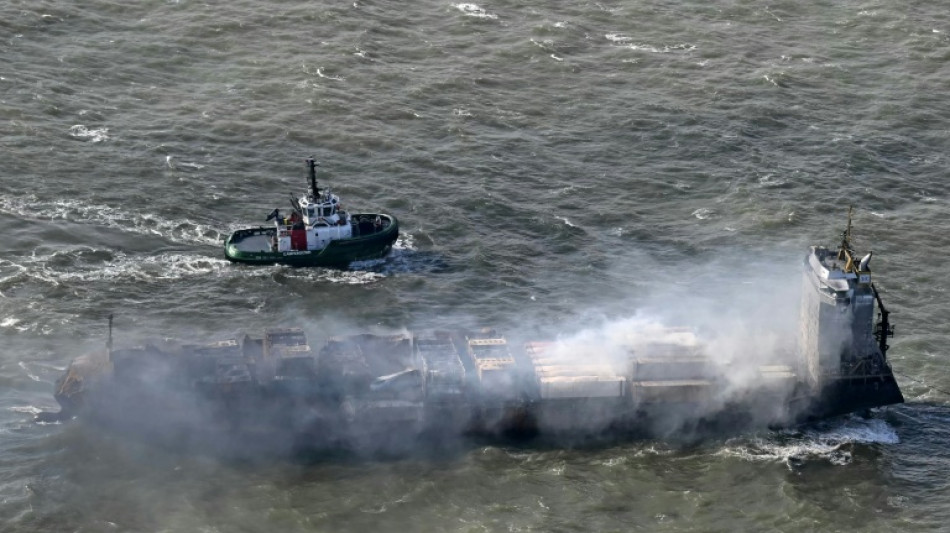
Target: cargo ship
x: 386, y: 392
x: 316, y: 232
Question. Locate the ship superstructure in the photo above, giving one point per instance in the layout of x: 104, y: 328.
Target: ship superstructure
x: 843, y: 352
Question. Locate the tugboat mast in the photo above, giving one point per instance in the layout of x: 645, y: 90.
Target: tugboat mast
x: 312, y: 169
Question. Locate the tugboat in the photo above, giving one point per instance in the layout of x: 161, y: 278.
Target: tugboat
x: 317, y: 232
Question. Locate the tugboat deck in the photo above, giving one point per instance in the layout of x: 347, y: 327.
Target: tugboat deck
x: 254, y: 243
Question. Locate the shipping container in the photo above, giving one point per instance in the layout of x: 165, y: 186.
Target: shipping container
x: 672, y: 391
x: 582, y: 387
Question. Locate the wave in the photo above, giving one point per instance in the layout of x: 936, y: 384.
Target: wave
x: 627, y: 42
x: 402, y: 259
x: 343, y: 277
x: 566, y: 221
x: 90, y: 265
x: 831, y: 441
x: 473, y: 10
x: 182, y: 231
x: 93, y: 135
x: 26, y: 409
x: 28, y: 372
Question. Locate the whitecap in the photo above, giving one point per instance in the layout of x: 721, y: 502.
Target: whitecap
x: 27, y: 409
x: 825, y: 442
x: 566, y: 221
x: 473, y: 10
x: 770, y: 180
x: 150, y: 268
x: 651, y: 450
x: 94, y: 135
x: 167, y: 266
x: 404, y: 242
x: 654, y: 49
x: 703, y: 213
x: 176, y: 166
x: 324, y: 76
x: 644, y: 48
x: 356, y: 275
x: 547, y: 44
x: 353, y: 277
x: 858, y: 430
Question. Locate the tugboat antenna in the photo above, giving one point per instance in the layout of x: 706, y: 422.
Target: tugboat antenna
x: 312, y: 168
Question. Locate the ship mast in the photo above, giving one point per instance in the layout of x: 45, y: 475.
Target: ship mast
x: 845, y: 252
x: 883, y: 329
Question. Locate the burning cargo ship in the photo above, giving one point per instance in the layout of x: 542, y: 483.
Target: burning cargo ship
x: 392, y: 391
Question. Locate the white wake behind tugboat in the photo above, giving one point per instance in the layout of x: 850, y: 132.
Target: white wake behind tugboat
x: 316, y: 232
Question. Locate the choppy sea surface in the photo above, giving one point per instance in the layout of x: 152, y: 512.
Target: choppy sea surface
x: 557, y: 167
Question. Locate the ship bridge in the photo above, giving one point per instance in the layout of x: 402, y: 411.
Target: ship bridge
x: 841, y: 348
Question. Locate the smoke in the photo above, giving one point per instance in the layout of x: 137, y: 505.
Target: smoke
x: 688, y: 359
x: 732, y: 324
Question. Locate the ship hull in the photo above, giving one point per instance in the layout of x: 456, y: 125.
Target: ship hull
x: 855, y: 395
x: 264, y: 396
x: 251, y: 246
x: 262, y: 420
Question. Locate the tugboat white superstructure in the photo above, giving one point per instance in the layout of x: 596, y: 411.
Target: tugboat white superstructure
x: 317, y: 232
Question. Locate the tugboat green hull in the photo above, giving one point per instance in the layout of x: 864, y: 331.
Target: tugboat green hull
x: 371, y: 241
